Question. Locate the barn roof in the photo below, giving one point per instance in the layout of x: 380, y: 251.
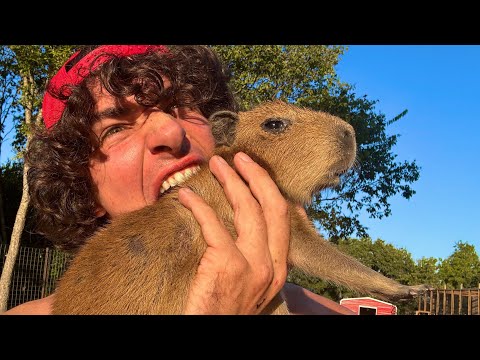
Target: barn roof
x: 366, y: 298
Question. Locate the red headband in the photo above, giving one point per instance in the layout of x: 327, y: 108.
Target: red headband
x: 52, y: 107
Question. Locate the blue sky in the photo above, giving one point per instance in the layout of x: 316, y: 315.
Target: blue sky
x: 440, y: 87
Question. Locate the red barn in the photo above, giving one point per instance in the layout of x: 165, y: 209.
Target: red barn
x: 369, y: 306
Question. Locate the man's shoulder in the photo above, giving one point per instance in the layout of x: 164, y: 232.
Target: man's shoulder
x: 35, y: 307
x: 304, y: 302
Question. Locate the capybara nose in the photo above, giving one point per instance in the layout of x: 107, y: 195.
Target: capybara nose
x: 347, y: 134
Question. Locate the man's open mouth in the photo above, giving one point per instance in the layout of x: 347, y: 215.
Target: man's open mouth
x: 179, y: 177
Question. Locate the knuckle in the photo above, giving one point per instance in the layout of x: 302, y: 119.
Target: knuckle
x: 208, y: 216
x: 265, y: 274
x: 238, y: 265
x: 281, y: 276
x: 282, y: 208
x: 254, y: 214
x: 257, y: 214
x: 261, y: 171
x: 277, y: 206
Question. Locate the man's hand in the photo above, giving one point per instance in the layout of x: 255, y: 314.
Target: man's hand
x: 240, y: 276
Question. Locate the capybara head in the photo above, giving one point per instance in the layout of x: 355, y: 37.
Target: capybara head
x: 304, y: 151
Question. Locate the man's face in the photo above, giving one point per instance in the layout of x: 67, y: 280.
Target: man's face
x: 143, y: 150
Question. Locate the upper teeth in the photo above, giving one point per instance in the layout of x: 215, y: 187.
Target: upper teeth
x: 178, y: 178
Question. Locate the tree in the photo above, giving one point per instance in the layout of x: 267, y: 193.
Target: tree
x: 8, y: 107
x: 461, y: 268
x: 290, y: 73
x: 34, y: 65
x: 426, y: 272
x: 11, y: 181
x: 12, y: 177
x: 305, y: 75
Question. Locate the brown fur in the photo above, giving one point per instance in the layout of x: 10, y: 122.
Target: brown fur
x: 144, y: 262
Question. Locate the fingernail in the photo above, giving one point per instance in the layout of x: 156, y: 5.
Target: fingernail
x: 244, y: 157
x: 186, y: 190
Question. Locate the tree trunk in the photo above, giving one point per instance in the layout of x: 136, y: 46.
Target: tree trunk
x: 3, y: 230
x: 14, y: 247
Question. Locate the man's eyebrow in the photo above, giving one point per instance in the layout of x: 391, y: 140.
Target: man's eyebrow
x: 113, y: 112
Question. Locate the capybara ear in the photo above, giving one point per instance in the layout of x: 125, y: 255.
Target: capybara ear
x: 224, y: 125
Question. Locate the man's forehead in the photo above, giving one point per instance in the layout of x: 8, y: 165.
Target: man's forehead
x: 104, y: 100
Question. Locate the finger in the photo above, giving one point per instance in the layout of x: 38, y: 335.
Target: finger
x: 275, y: 211
x: 267, y: 258
x: 213, y: 230
x: 248, y: 217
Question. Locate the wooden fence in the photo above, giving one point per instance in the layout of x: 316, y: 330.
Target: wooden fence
x: 450, y: 302
x: 35, y: 273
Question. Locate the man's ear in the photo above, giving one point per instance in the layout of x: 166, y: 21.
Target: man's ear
x: 100, y: 211
x: 224, y: 125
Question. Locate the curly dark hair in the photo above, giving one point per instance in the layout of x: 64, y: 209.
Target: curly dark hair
x: 60, y: 185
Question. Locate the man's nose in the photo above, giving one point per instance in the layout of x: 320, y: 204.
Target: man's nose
x: 166, y: 134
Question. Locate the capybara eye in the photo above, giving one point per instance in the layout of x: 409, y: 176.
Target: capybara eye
x: 275, y: 125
